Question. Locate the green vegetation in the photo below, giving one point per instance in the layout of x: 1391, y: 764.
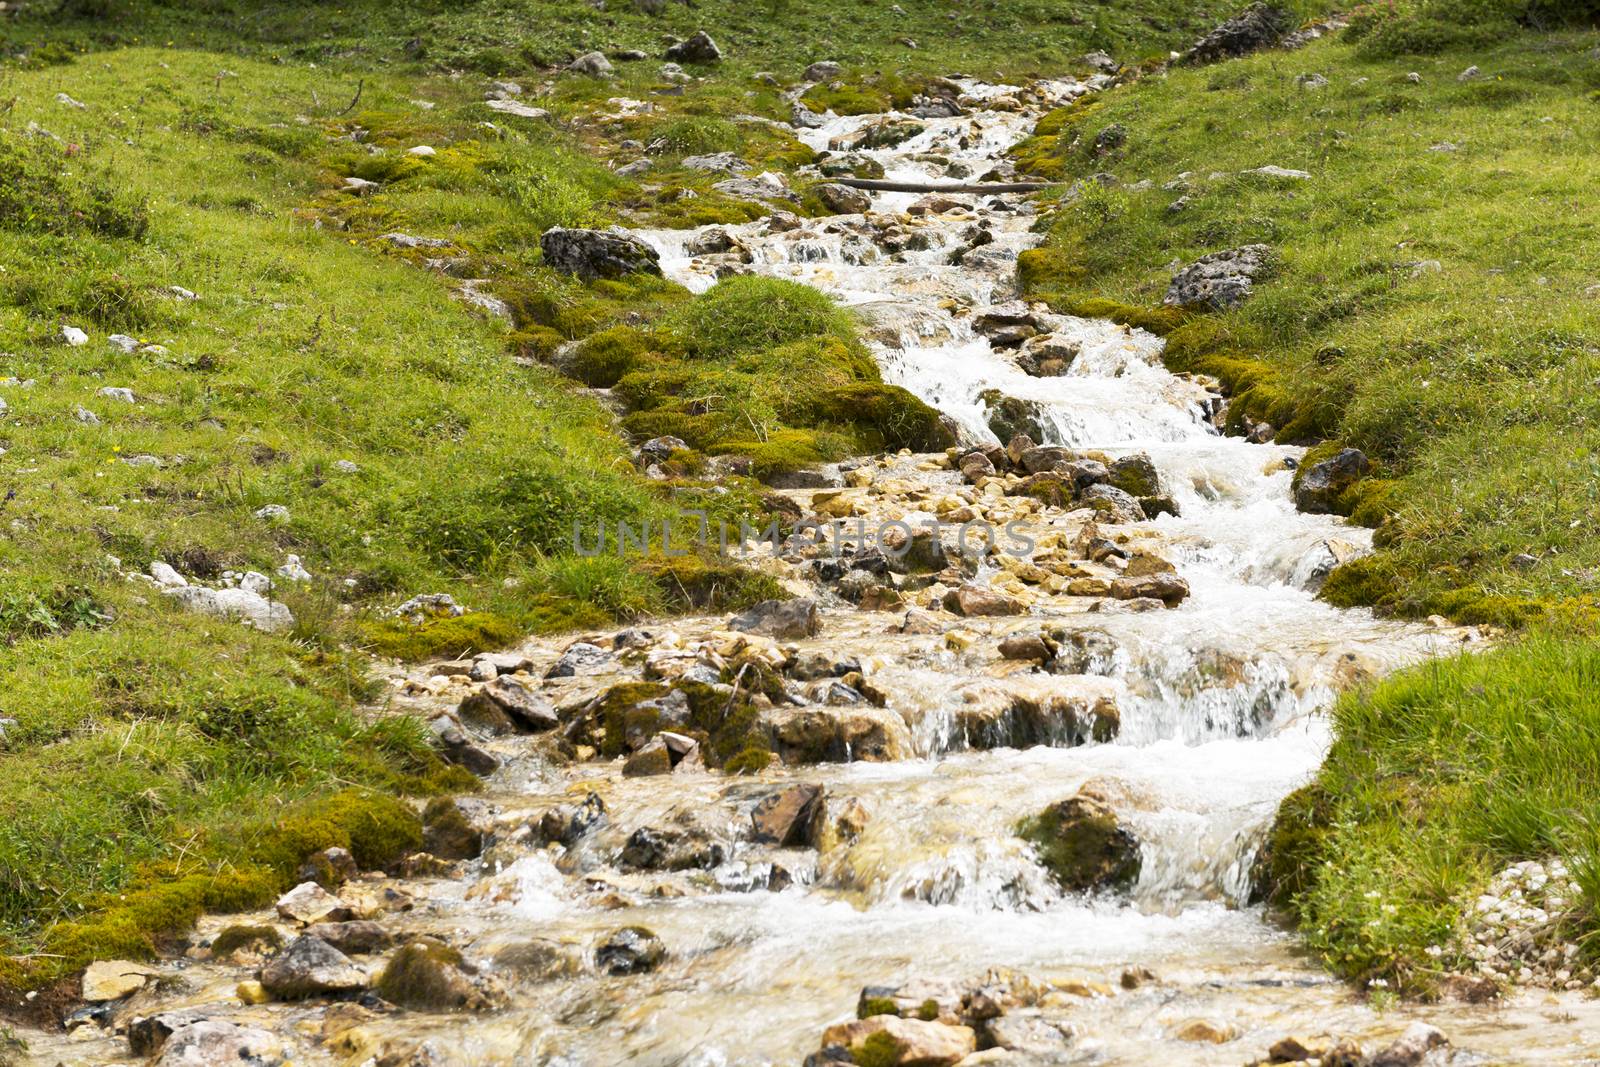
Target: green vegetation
x: 768, y: 369
x: 1432, y: 303
x: 1439, y: 778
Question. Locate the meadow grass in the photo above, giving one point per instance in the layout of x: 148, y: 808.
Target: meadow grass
x: 1440, y: 777
x: 1433, y: 300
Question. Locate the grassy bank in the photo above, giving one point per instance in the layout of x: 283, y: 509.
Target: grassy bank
x: 1439, y: 778
x: 1433, y: 301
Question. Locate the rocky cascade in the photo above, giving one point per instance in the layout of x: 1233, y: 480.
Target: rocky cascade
x: 984, y: 786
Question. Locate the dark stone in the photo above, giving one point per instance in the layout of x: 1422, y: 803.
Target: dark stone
x: 311, y: 967
x: 631, y: 950
x: 597, y: 253
x: 355, y: 937
x: 787, y: 817
x: 781, y: 619
x: 1256, y: 27
x: 1317, y: 487
x: 699, y: 48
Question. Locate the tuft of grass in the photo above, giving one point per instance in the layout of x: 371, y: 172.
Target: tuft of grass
x: 1441, y: 776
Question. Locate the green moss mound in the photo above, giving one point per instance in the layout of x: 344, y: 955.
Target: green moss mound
x: 464, y: 635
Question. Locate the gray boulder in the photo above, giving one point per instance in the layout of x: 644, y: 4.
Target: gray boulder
x: 215, y: 1043
x: 842, y: 199
x: 1317, y: 487
x: 699, y: 48
x: 311, y: 967
x: 781, y: 619
x: 1256, y: 27
x: 1221, y: 279
x: 597, y: 253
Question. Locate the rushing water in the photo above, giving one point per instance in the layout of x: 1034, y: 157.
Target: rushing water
x: 1220, y: 704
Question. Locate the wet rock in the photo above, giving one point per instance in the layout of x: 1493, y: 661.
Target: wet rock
x: 1010, y: 416
x: 895, y: 1042
x: 148, y: 1034
x: 781, y: 619
x: 447, y: 832
x: 652, y: 848
x: 580, y: 658
x: 1204, y: 1031
x: 1256, y: 27
x: 539, y: 960
x: 1134, y: 977
x: 885, y: 133
x: 311, y: 967
x: 917, y: 621
x: 973, y: 600
x: 455, y: 748
x: 427, y: 975
x: 567, y: 823
x: 1220, y: 280
x: 1028, y: 1033
x: 1112, y: 504
x: 835, y: 735
x: 506, y: 700
x: 1044, y: 458
x: 597, y: 253
x: 216, y: 1043
x: 357, y: 937
x: 1135, y: 475
x: 1081, y: 843
x: 788, y: 817
x: 309, y: 903
x: 329, y: 867
x: 699, y: 48
x: 650, y: 760
x: 934, y: 204
x: 245, y: 943
x: 1410, y: 1048
x: 630, y: 950
x: 919, y: 552
x: 842, y: 199
x: 1083, y: 473
x: 1034, y: 647
x: 1047, y: 355
x: 1317, y: 487
x: 976, y: 466
x: 1165, y: 587
x: 108, y: 980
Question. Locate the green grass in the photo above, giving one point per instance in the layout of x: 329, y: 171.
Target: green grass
x: 514, y: 37
x: 1440, y: 777
x: 1434, y: 308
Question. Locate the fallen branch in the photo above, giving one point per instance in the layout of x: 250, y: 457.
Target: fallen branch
x: 360, y: 85
x: 946, y: 187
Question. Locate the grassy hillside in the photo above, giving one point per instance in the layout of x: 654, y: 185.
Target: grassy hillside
x: 1433, y: 302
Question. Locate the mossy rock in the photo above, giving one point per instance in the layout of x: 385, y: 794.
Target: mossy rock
x: 426, y: 975
x: 1082, y: 845
x: 258, y: 939
x: 476, y: 631
x: 884, y: 417
x: 1286, y: 867
x: 692, y: 583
